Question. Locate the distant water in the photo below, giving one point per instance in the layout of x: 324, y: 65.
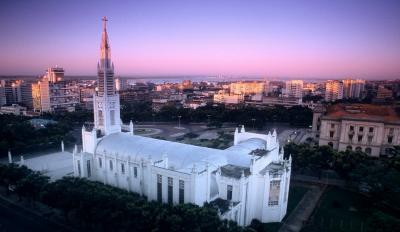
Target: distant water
x: 171, y: 79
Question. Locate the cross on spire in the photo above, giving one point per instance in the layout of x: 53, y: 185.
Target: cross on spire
x: 104, y: 22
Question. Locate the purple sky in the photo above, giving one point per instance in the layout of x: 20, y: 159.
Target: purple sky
x: 297, y: 39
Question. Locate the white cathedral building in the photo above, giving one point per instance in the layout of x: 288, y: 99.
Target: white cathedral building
x: 252, y: 177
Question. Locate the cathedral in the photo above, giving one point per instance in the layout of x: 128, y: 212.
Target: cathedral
x: 250, y: 179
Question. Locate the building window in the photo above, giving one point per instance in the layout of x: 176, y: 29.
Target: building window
x: 112, y: 117
x: 100, y: 117
x: 349, y: 148
x: 370, y: 139
x: 123, y: 168
x: 159, y: 188
x: 390, y: 139
x: 351, y: 137
x: 135, y: 172
x: 332, y: 125
x: 111, y: 165
x: 358, y: 149
x: 371, y: 129
x: 170, y: 190
x: 229, y: 192
x: 100, y: 162
x: 181, y: 192
x: 359, y: 138
x: 79, y: 167
x: 391, y: 130
x: 351, y: 128
x: 330, y: 144
x: 361, y: 129
x: 331, y: 133
x: 368, y: 150
x: 274, y: 189
x: 89, y: 172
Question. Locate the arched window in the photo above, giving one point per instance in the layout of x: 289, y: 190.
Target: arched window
x: 368, y: 150
x: 358, y: 149
x: 349, y: 148
x: 330, y: 144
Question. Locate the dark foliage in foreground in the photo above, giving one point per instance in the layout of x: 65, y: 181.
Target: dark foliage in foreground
x: 94, y: 206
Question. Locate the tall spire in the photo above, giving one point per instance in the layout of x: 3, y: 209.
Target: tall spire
x: 105, y: 53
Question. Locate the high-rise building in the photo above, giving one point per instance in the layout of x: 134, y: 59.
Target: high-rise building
x: 353, y: 88
x: 294, y: 88
x: 333, y: 90
x: 247, y: 87
x: 384, y: 93
x: 106, y: 99
x: 51, y: 93
x: 16, y: 92
x: 3, y: 99
x: 55, y: 74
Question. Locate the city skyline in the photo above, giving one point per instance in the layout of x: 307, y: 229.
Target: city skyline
x: 267, y: 39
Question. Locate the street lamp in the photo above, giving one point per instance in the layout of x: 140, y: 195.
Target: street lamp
x: 179, y: 122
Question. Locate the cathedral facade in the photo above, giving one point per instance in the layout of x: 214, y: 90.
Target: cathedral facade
x: 247, y: 181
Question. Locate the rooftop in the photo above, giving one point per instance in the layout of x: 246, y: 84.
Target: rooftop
x: 363, y: 112
x: 234, y: 171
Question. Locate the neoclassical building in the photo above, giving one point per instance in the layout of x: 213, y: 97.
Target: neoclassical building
x: 251, y: 177
x: 373, y: 129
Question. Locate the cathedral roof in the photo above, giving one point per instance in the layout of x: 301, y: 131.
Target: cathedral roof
x: 181, y: 157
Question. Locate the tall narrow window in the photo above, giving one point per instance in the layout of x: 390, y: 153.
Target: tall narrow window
x: 331, y: 133
x: 79, y: 167
x: 135, y: 172
x: 111, y: 165
x: 112, y: 117
x: 100, y: 117
x: 371, y: 129
x: 274, y: 189
x: 361, y: 129
x: 122, y: 168
x: 89, y: 172
x: 229, y: 190
x: 170, y: 190
x: 351, y: 128
x: 159, y: 188
x: 390, y: 139
x: 181, y: 192
x: 100, y: 162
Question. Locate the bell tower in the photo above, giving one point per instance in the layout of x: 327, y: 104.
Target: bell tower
x: 106, y: 100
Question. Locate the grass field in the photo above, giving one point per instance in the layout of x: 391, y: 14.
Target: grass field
x: 340, y: 210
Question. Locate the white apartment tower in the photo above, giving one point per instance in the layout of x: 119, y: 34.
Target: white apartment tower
x: 333, y: 90
x: 294, y: 88
x: 106, y: 99
x: 353, y: 88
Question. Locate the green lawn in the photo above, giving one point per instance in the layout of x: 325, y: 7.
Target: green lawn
x: 340, y: 210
